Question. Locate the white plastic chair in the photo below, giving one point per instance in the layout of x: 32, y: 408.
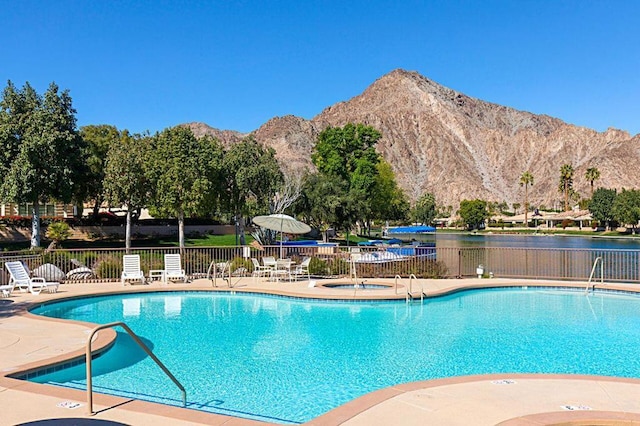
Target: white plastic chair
x: 259, y: 270
x: 303, y: 269
x: 20, y: 278
x: 283, y: 268
x: 173, y: 268
x: 131, y: 269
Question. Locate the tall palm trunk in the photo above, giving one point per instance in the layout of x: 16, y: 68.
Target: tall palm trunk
x: 526, y: 205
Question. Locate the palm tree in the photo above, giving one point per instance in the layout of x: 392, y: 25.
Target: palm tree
x: 592, y: 175
x: 526, y: 179
x: 566, y: 183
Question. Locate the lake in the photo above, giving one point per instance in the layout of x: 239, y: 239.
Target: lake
x: 535, y: 241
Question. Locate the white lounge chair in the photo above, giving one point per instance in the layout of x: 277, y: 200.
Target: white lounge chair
x: 173, y: 268
x: 131, y: 269
x: 260, y: 270
x: 20, y: 279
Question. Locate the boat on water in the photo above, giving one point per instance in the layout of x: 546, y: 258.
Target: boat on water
x: 409, y: 234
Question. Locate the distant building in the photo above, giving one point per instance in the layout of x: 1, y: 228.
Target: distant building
x: 47, y: 209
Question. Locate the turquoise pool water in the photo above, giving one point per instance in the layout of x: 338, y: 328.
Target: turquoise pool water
x: 288, y: 361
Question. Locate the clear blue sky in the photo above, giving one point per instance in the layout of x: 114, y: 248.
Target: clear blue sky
x: 147, y: 65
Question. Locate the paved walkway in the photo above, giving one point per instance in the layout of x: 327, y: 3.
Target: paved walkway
x: 28, y: 341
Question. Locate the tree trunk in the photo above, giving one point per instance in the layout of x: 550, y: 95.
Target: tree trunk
x: 526, y: 206
x: 96, y: 210
x: 35, y: 225
x: 243, y: 240
x: 127, y: 238
x: 181, y: 230
x: 566, y: 196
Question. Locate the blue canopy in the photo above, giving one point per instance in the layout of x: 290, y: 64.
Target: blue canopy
x: 411, y: 229
x: 369, y: 243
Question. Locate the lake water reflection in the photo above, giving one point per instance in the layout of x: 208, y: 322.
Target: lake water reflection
x: 444, y: 240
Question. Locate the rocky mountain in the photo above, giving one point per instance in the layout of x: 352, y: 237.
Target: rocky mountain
x: 458, y: 147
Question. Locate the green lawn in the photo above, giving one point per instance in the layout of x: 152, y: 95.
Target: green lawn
x: 208, y: 240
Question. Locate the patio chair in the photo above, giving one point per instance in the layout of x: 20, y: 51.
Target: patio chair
x: 283, y: 269
x: 269, y: 262
x: 6, y: 289
x: 259, y: 270
x: 173, y: 268
x: 131, y: 269
x: 302, y: 269
x: 20, y: 279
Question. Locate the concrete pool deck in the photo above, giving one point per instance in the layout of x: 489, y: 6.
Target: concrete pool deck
x: 28, y: 341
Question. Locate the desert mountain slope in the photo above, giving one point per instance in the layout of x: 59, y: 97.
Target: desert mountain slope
x: 442, y: 141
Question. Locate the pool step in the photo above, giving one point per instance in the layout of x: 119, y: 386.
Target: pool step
x: 416, y: 295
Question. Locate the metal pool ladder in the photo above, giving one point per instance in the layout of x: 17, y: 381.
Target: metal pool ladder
x: 593, y: 270
x: 409, y: 295
x: 144, y: 348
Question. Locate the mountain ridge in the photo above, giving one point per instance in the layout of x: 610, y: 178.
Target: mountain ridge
x: 458, y: 147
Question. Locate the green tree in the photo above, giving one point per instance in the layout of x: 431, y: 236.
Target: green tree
x: 97, y: 139
x: 126, y: 183
x: 42, y: 155
x: 474, y: 213
x: 526, y: 180
x: 626, y: 207
x: 566, y: 183
x: 592, y: 174
x: 185, y: 175
x: 516, y: 206
x: 425, y: 209
x: 326, y: 203
x: 251, y: 176
x: 387, y: 200
x: 601, y: 205
x: 348, y: 154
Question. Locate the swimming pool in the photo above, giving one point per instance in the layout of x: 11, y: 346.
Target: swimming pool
x: 287, y: 360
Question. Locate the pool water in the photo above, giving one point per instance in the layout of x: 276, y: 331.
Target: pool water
x: 288, y: 361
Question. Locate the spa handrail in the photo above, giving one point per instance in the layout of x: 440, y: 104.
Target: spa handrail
x: 142, y: 345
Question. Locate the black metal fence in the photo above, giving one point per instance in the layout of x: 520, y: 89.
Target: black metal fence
x: 102, y: 265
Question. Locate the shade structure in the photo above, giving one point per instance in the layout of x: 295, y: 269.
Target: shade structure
x: 282, y: 223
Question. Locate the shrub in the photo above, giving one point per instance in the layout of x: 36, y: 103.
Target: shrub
x: 241, y: 265
x: 566, y: 223
x: 109, y: 267
x: 317, y: 266
x: 88, y: 259
x: 338, y: 266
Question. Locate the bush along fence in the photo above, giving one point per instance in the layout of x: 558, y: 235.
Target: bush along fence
x: 105, y: 265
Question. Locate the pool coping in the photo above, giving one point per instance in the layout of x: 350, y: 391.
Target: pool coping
x: 340, y: 414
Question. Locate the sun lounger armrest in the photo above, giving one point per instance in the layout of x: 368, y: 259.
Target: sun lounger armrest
x: 38, y: 279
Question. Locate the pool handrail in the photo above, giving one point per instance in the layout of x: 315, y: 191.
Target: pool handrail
x: 409, y: 288
x: 593, y: 270
x: 144, y: 348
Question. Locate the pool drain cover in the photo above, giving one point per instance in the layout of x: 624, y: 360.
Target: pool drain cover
x: 576, y: 407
